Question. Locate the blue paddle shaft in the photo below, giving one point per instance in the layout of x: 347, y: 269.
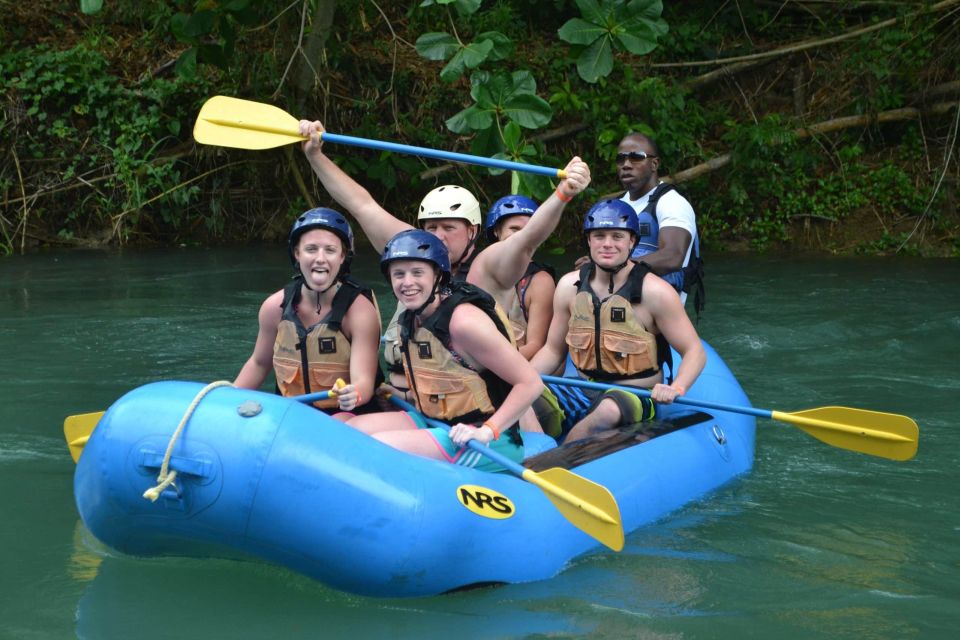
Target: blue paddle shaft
x: 645, y: 393
x: 452, y: 156
x: 499, y: 458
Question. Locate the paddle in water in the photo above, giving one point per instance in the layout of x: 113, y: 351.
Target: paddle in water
x: 886, y: 435
x: 243, y: 124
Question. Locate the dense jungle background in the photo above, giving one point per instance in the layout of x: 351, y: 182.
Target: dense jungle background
x: 791, y: 125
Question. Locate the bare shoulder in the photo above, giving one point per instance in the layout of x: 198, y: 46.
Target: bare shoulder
x: 467, y: 317
x: 273, y: 302
x: 568, y: 283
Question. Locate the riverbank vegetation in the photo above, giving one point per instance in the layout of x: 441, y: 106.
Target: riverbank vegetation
x: 792, y: 125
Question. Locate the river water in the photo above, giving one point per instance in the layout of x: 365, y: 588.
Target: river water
x: 815, y: 542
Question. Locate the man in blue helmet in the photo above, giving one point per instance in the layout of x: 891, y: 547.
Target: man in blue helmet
x: 669, y: 243
x: 321, y: 327
x: 618, y: 320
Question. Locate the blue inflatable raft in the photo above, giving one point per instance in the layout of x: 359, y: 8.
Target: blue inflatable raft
x: 264, y: 476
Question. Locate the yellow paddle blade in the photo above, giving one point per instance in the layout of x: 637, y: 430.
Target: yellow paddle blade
x: 243, y: 124
x: 588, y: 506
x: 77, y: 430
x: 887, y: 435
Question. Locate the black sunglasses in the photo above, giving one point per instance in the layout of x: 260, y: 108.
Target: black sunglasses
x: 633, y: 156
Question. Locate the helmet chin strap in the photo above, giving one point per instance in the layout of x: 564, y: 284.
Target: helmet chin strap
x: 613, y: 271
x: 466, y: 251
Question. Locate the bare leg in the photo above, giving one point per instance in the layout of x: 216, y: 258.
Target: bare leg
x: 529, y: 422
x: 605, y: 416
x: 371, y: 423
x: 417, y: 442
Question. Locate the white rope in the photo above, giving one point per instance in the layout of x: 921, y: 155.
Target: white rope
x: 166, y: 477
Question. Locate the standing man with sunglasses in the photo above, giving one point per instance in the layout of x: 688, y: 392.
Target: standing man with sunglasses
x: 669, y: 243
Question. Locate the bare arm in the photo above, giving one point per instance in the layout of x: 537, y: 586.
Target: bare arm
x: 473, y: 332
x: 672, y: 245
x: 502, y: 264
x: 672, y: 321
x: 377, y: 223
x: 256, y: 368
x: 538, y: 300
x: 550, y: 357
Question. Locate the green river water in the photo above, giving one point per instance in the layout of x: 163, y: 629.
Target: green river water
x: 815, y: 542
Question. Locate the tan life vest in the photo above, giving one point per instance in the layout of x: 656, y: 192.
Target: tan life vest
x: 446, y: 385
x: 322, y: 350
x: 604, y: 337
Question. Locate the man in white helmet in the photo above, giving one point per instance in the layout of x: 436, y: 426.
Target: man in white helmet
x: 452, y: 214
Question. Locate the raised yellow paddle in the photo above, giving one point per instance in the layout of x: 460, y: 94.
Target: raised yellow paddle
x: 887, y: 435
x: 243, y: 124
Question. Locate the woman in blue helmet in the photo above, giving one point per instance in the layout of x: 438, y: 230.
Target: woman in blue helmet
x: 321, y: 327
x: 530, y: 305
x: 458, y: 360
x: 618, y: 320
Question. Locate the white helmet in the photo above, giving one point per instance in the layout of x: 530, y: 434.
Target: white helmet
x: 449, y: 201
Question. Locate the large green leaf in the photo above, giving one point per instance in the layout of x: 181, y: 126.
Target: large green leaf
x: 578, y: 31
x: 468, y: 57
x: 592, y: 11
x: 436, y: 45
x: 528, y: 110
x: 463, y: 7
x: 502, y: 45
x: 649, y: 10
x: 473, y: 118
x: 596, y: 61
x: 639, y: 41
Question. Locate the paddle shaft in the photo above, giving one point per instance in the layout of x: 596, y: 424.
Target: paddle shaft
x: 396, y: 147
x: 793, y: 418
x: 499, y: 458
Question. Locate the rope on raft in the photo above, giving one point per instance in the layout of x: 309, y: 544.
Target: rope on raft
x: 166, y: 477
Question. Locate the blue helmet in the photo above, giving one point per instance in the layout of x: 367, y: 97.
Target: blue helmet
x: 611, y: 214
x: 321, y: 218
x: 505, y: 207
x: 416, y: 244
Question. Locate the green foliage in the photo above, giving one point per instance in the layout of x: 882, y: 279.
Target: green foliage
x: 91, y: 7
x: 211, y: 31
x: 440, y: 45
x: 608, y: 25
x: 99, y: 131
